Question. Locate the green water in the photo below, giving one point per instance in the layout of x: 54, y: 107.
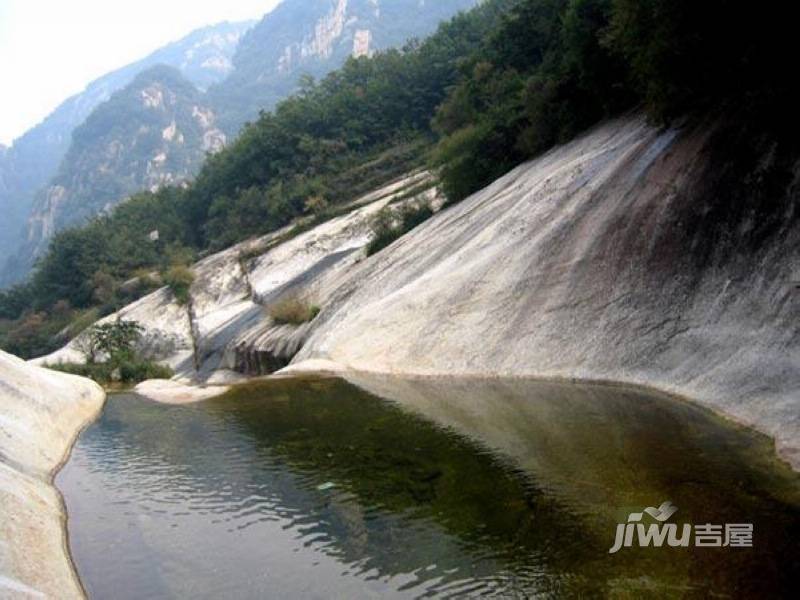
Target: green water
x: 316, y: 488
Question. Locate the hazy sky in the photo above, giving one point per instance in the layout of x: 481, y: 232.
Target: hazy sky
x: 51, y: 49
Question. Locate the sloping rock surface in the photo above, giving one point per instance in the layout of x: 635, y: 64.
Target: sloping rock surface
x: 609, y: 258
x: 41, y: 413
x: 226, y: 326
x: 596, y: 262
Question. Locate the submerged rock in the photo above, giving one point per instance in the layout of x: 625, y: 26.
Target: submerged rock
x: 41, y: 413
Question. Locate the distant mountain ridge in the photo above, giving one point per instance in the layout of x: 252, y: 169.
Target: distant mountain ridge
x: 203, y: 57
x: 313, y: 37
x: 154, y: 132
x: 106, y: 161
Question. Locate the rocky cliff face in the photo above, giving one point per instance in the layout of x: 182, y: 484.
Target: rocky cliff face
x: 313, y: 37
x: 41, y: 412
x: 609, y: 258
x: 155, y: 132
x: 203, y: 57
x: 606, y: 259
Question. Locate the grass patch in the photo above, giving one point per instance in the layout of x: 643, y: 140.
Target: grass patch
x: 129, y: 372
x: 416, y: 189
x: 179, y: 279
x: 293, y: 311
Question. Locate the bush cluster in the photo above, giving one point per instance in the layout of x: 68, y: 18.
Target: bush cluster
x: 293, y: 311
x: 112, y: 356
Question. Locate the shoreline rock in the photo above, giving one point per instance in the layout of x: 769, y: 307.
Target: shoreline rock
x: 166, y: 391
x: 42, y: 412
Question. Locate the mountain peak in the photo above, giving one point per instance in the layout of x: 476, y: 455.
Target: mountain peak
x: 154, y: 132
x: 161, y: 74
x: 203, y: 57
x: 151, y: 123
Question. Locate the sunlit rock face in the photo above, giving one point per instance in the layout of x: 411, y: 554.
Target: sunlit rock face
x: 226, y: 327
x: 607, y: 258
x: 41, y: 412
x: 362, y: 43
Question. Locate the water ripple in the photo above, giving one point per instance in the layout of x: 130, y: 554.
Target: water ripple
x: 339, y: 494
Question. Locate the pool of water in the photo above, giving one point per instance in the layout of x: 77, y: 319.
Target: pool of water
x: 321, y: 488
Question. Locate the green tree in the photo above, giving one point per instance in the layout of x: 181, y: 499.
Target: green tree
x: 116, y: 339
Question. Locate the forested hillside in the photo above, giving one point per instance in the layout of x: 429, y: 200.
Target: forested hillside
x: 236, y: 80
x: 490, y: 89
x: 555, y: 67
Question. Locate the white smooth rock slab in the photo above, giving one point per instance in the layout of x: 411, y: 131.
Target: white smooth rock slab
x: 41, y: 413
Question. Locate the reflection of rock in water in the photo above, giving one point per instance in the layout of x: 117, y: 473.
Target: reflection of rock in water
x: 454, y: 485
x: 592, y: 442
x: 604, y: 451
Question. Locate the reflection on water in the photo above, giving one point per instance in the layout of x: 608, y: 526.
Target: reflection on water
x: 315, y: 488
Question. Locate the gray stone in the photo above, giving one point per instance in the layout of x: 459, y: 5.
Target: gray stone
x: 41, y: 413
x: 580, y: 264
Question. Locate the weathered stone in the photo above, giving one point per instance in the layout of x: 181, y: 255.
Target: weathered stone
x: 583, y: 264
x: 174, y: 392
x: 41, y: 413
x: 226, y: 325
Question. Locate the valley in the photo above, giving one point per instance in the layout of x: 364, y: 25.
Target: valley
x: 423, y: 299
